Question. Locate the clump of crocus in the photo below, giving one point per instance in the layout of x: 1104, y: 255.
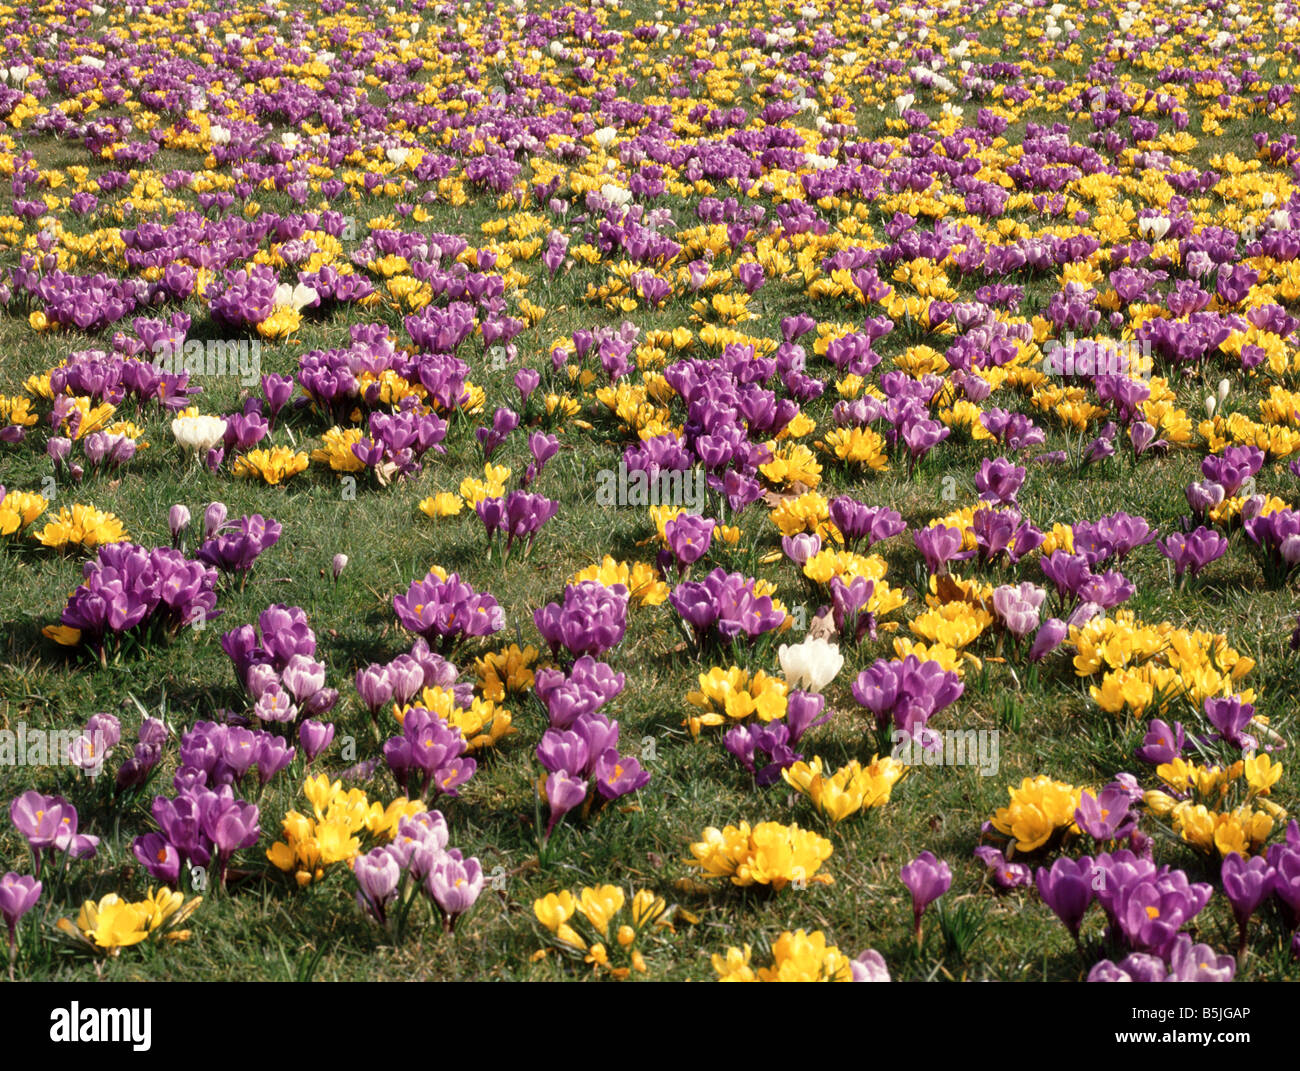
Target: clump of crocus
x: 112, y: 924
x: 1187, y: 962
x: 1190, y: 552
x: 587, y: 687
x: 213, y: 754
x: 728, y: 604
x: 768, y: 854
x: 275, y: 662
x: 733, y: 694
x: 519, y: 515
x: 428, y: 755
x: 602, y: 925
x: 1146, y: 905
x: 1039, y: 809
x: 332, y: 832
x: 506, y: 672
x: 444, y: 608
x: 583, y: 767
x: 391, y: 877
x: 234, y: 547
x: 128, y: 589
x: 200, y: 827
x: 591, y: 620
x: 801, y: 957
x: 850, y: 789
x: 906, y: 693
x: 860, y: 523
x: 1276, y: 537
x: 772, y: 743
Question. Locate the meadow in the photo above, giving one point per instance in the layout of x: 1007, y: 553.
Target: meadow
x: 961, y: 341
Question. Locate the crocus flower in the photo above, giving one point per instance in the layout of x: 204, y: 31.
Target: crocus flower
x: 870, y: 966
x: 377, y: 873
x: 375, y: 687
x: 563, y: 793
x: 1247, y: 883
x: 1067, y: 888
x: 1161, y: 744
x: 998, y: 480
x: 1005, y: 874
x: 315, y: 737
x: 178, y: 519
x: 927, y: 878
x: 1017, y: 607
x: 811, y: 665
x: 939, y: 545
x: 18, y: 895
x: 804, y: 711
x: 1105, y: 815
x: 1048, y: 638
x: 454, y: 884
x: 1230, y: 716
x: 1193, y: 551
x: 617, y: 775
x: 688, y: 537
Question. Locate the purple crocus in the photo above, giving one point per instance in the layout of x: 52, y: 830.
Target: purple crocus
x: 927, y: 878
x: 375, y: 687
x: 315, y: 737
x: 998, y: 480
x: 563, y: 793
x: 591, y: 620
x: 1050, y: 635
x: 1230, y: 716
x: 1068, y: 889
x: 689, y: 536
x: 454, y: 884
x: 377, y: 874
x: 1162, y: 743
x: 940, y: 544
x: 1005, y: 874
x: 1247, y: 883
x: 18, y: 895
x: 1192, y: 551
x: 617, y: 775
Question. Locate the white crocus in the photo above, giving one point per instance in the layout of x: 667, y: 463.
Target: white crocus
x: 198, y: 433
x: 615, y: 194
x: 810, y: 665
x: 295, y: 297
x: 1156, y: 226
x: 397, y: 157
